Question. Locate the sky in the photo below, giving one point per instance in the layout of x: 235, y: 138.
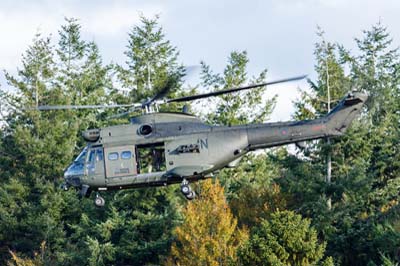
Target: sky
x: 277, y: 34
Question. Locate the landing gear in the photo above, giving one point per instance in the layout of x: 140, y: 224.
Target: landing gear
x: 187, y: 190
x: 85, y: 191
x: 64, y: 186
x: 99, y: 201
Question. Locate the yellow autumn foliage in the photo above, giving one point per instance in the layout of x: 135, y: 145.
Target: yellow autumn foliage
x: 20, y: 261
x: 209, y: 234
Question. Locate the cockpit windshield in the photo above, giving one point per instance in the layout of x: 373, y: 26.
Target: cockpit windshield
x: 77, y: 167
x: 81, y: 157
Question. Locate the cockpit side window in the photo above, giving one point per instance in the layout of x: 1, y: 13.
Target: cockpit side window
x: 91, y: 156
x: 99, y: 156
x: 94, y: 161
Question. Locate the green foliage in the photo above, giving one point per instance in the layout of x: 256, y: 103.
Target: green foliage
x: 151, y: 61
x: 251, y: 190
x: 37, y: 146
x: 284, y: 239
x: 330, y: 73
x: 365, y: 165
x: 386, y: 261
x: 236, y: 108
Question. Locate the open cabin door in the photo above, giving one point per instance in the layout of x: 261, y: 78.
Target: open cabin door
x: 120, y: 161
x: 151, y: 158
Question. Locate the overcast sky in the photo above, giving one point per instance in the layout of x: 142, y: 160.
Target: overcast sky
x: 278, y: 35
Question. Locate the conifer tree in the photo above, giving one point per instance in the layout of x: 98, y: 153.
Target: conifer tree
x: 284, y: 239
x: 365, y: 160
x: 151, y: 62
x: 250, y: 187
x: 39, y: 145
x: 236, y: 108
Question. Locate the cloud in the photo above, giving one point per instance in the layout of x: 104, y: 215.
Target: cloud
x: 278, y: 35
x: 116, y: 19
x: 19, y: 25
x: 288, y: 93
x: 18, y: 30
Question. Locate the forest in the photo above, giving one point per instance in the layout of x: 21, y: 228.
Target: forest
x: 278, y: 207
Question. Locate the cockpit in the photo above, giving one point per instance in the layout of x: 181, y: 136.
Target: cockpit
x: 98, y: 166
x: 76, y: 170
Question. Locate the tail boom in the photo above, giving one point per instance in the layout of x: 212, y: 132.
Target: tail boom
x: 333, y: 124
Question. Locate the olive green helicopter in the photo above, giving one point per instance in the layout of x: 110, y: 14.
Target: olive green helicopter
x: 158, y: 149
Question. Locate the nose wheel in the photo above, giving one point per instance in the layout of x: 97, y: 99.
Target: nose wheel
x: 187, y: 190
x: 64, y: 186
x: 99, y: 201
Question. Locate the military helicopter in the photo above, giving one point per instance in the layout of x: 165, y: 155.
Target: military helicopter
x: 158, y: 149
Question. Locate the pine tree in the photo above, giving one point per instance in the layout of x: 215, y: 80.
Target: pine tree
x: 236, y: 108
x: 253, y: 193
x: 38, y: 145
x: 375, y: 69
x: 284, y: 239
x: 365, y: 168
x: 250, y: 188
x: 151, y: 62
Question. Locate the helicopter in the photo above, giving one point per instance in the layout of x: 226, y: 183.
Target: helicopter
x: 160, y: 148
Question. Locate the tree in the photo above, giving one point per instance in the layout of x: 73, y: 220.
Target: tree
x: 151, y: 61
x: 253, y: 192
x: 236, y: 108
x: 284, y: 239
x: 250, y: 189
x: 82, y: 76
x: 365, y: 165
x: 37, y: 146
x: 209, y: 234
x: 375, y: 69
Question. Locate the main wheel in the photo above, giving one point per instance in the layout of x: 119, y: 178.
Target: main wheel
x: 99, y: 201
x: 191, y: 195
x: 185, y: 189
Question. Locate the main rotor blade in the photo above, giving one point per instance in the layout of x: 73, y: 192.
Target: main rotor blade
x: 216, y: 93
x: 120, y: 114
x: 66, y: 107
x: 159, y: 95
x: 169, y: 84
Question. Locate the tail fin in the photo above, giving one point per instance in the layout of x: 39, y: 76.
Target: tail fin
x: 344, y: 113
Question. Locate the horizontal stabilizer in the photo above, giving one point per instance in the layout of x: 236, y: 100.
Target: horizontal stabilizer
x: 344, y: 113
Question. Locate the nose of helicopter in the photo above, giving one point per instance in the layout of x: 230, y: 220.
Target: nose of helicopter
x: 73, y: 175
x: 74, y: 181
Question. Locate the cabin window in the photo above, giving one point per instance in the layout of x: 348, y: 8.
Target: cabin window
x: 126, y: 155
x: 145, y: 130
x: 113, y: 156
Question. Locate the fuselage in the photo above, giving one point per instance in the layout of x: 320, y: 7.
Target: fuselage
x: 163, y: 148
